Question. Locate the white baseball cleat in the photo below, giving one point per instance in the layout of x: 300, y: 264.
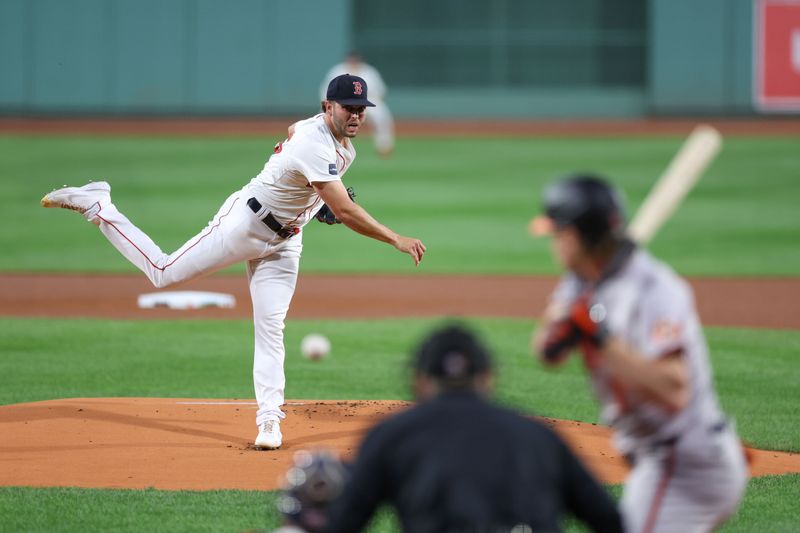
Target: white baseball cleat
x: 86, y: 200
x: 269, y: 436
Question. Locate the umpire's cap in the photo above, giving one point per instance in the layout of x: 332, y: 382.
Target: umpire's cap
x: 585, y: 201
x: 348, y: 90
x: 452, y: 355
x: 310, y: 485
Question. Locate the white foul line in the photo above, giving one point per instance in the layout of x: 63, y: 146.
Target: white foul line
x: 216, y: 403
x: 230, y: 403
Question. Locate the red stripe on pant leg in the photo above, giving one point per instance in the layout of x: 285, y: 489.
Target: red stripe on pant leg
x: 661, y: 490
x: 186, y: 250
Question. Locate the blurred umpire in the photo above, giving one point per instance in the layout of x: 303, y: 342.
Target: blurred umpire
x: 456, y: 462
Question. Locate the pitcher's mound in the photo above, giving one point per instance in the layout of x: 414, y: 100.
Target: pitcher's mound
x: 194, y: 444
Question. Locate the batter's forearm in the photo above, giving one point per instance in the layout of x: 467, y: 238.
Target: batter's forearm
x: 664, y: 381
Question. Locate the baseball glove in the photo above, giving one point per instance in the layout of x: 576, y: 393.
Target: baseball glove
x: 326, y: 215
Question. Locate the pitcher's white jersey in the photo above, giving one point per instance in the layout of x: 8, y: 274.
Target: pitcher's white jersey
x: 311, y: 154
x: 653, y: 309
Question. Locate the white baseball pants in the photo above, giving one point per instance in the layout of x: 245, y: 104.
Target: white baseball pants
x: 235, y: 234
x: 692, y: 486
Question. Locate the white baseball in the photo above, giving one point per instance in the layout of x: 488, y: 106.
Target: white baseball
x: 315, y: 346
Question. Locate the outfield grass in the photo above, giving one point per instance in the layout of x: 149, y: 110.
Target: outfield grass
x: 756, y: 370
x: 468, y: 199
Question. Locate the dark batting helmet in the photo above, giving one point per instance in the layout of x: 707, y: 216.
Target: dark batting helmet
x: 586, y: 202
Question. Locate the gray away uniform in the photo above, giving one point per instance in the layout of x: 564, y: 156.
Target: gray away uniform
x: 689, y: 470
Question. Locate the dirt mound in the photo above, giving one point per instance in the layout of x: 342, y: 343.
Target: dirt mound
x: 193, y: 444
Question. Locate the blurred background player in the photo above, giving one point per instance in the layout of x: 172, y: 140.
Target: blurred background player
x: 456, y: 462
x: 310, y: 485
x: 635, y: 322
x: 380, y: 118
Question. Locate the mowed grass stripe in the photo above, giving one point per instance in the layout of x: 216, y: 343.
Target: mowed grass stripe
x: 769, y: 505
x: 468, y: 199
x: 756, y: 370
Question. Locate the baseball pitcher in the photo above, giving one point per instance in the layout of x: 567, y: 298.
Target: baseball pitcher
x: 261, y: 224
x: 635, y: 323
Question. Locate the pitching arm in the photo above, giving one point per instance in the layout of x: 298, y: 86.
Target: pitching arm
x: 355, y: 217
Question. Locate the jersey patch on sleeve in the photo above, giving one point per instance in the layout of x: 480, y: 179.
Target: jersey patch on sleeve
x: 332, y: 170
x: 665, y: 332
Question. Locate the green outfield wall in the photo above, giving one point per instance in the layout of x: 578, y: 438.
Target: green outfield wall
x: 441, y: 58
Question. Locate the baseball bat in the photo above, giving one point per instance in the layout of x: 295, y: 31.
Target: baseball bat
x: 685, y: 169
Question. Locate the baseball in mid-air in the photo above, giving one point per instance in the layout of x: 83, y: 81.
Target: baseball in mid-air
x: 315, y: 346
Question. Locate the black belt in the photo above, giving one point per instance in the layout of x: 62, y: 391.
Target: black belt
x: 717, y: 427
x: 284, y: 232
x: 720, y: 426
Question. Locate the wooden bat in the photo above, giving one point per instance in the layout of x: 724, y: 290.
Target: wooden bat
x: 685, y: 169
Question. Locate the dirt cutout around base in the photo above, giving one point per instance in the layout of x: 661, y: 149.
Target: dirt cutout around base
x: 736, y: 302
x: 191, y: 444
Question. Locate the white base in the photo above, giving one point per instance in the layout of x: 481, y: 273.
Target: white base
x: 186, y: 300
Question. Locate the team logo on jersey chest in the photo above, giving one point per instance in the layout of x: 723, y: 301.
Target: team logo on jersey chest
x: 357, y: 89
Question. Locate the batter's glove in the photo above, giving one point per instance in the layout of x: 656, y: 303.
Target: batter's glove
x: 585, y: 322
x: 589, y: 320
x: 326, y: 215
x: 562, y: 336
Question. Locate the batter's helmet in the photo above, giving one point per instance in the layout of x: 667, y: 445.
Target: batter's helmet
x: 315, y: 480
x: 587, y: 202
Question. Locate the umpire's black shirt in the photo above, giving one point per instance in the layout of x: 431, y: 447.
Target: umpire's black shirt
x: 459, y: 463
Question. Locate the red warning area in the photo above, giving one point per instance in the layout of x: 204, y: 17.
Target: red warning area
x: 778, y: 55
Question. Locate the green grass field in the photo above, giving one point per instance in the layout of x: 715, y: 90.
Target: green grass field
x: 48, y: 359
x: 468, y: 199
x: 65, y: 510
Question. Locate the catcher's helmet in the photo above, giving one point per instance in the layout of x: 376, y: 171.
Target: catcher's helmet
x: 587, y: 202
x: 310, y: 485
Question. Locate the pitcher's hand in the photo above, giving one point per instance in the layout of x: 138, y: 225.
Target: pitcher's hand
x: 412, y: 247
